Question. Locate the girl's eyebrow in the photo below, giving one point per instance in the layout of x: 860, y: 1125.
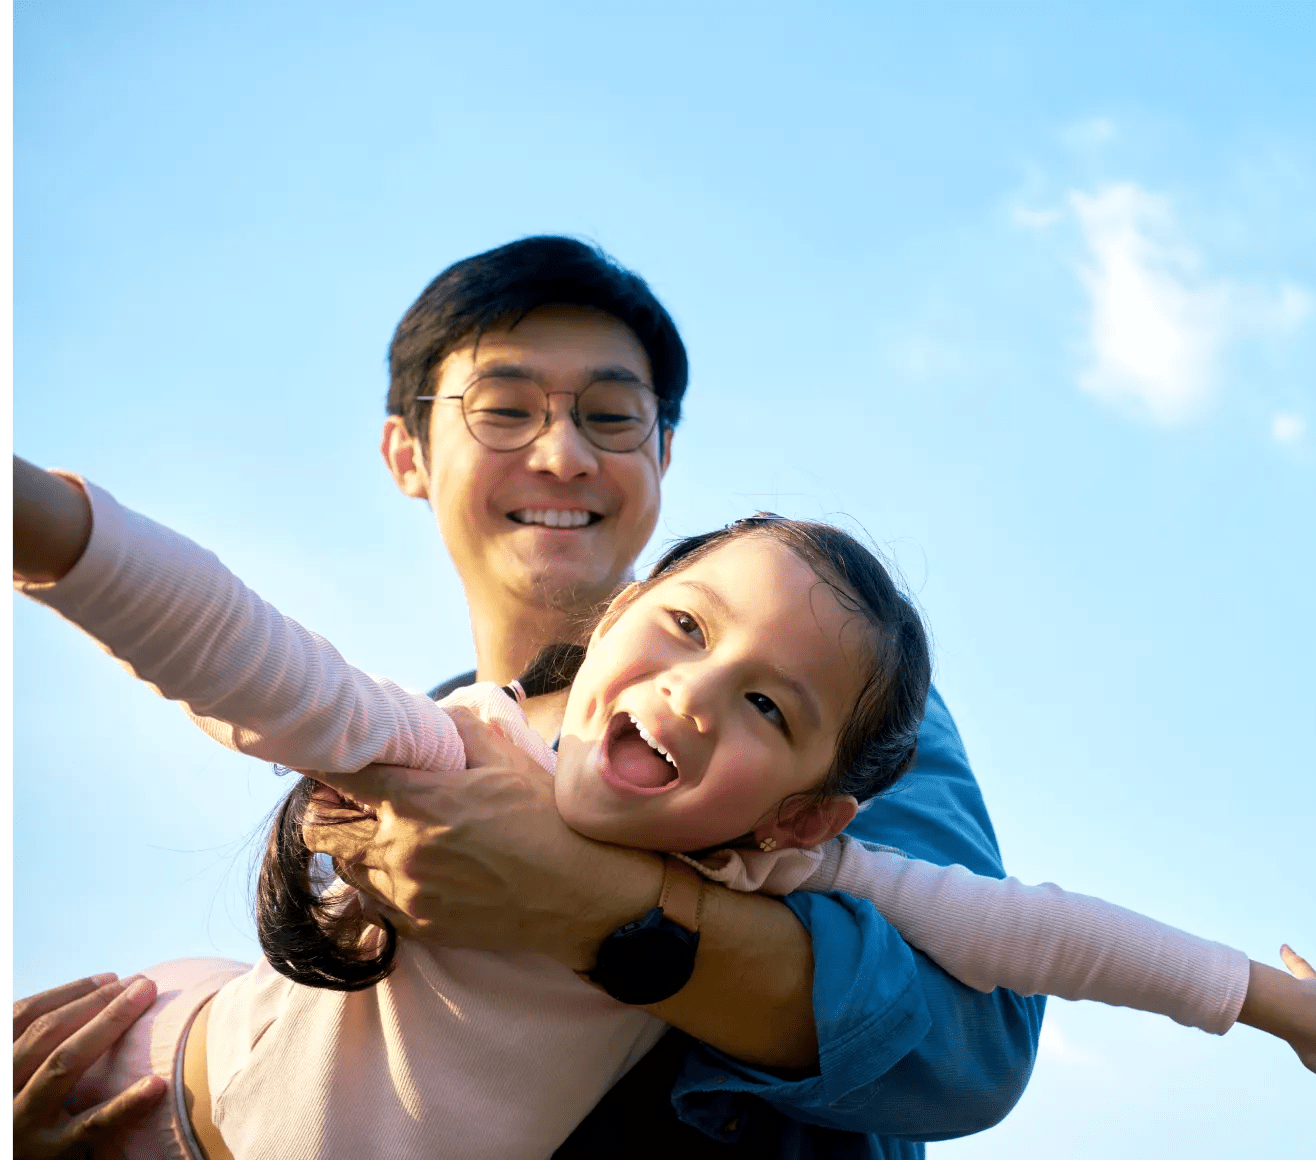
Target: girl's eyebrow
x: 803, y: 694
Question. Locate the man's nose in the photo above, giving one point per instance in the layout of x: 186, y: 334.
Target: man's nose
x: 561, y: 449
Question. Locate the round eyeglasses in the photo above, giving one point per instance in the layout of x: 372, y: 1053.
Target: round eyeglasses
x: 506, y: 414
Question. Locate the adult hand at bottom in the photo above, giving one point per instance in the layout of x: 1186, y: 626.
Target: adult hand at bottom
x: 480, y: 858
x: 58, y: 1034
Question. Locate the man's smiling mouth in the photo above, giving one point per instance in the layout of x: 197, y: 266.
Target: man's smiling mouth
x: 555, y: 517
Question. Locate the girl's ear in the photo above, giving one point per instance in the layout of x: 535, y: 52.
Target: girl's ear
x: 619, y: 604
x: 809, y: 824
x: 402, y: 452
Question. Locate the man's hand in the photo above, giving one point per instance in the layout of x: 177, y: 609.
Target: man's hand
x: 57, y: 1036
x: 480, y: 858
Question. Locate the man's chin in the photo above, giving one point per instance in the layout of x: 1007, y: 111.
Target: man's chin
x: 565, y: 585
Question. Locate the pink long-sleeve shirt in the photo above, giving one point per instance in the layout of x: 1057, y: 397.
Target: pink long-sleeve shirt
x: 466, y: 1053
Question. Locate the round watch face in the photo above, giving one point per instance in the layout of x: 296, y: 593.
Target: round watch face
x: 646, y: 961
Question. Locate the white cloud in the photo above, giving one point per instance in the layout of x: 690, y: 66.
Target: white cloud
x: 1153, y: 333
x: 1287, y: 427
x: 1159, y: 325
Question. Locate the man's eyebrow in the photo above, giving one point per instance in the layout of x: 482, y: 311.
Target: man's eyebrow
x: 803, y: 694
x: 507, y: 370
x: 500, y: 371
x: 615, y: 374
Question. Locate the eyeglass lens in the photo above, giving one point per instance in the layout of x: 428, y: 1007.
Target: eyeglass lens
x: 507, y: 414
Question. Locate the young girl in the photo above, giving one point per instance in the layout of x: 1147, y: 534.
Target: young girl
x: 741, y: 722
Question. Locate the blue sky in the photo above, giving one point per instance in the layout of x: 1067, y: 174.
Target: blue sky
x: 1030, y: 296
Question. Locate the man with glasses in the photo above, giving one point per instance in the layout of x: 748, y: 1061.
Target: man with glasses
x: 534, y: 392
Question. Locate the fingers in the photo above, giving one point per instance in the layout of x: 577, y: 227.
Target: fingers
x: 370, y: 786
x: 1297, y: 965
x: 51, y: 1028
x: 34, y: 1140
x: 345, y: 841
x: 487, y: 745
x: 63, y: 1063
x: 34, y: 1006
x: 105, y: 1119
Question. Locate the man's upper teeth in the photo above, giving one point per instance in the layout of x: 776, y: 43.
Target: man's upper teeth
x: 553, y: 517
x: 643, y: 732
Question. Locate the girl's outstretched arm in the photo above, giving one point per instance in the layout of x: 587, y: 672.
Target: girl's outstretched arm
x: 252, y: 678
x: 990, y: 933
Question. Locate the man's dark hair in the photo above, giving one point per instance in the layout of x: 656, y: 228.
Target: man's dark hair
x: 500, y: 287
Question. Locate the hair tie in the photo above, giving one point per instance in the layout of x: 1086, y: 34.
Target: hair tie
x: 514, y: 689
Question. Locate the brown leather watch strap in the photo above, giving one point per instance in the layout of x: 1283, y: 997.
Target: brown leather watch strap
x: 682, y: 897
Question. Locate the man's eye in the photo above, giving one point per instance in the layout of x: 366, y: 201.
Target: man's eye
x: 688, y: 625
x: 768, y: 707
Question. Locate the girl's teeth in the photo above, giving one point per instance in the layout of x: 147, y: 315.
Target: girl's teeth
x: 648, y: 737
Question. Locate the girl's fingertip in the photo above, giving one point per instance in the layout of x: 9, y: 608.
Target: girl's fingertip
x: 103, y: 978
x: 139, y: 987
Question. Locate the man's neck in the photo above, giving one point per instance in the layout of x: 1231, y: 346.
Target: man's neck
x: 509, y: 637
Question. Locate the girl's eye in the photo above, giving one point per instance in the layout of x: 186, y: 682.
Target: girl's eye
x: 768, y: 707
x: 688, y: 625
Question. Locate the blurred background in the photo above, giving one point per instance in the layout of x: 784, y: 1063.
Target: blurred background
x: 1028, y: 294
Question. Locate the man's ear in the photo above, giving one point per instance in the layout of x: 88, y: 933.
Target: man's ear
x: 665, y: 443
x: 616, y: 607
x: 406, y: 462
x: 808, y: 824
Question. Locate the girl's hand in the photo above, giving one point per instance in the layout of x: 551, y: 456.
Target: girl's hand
x: 1303, y: 1036
x: 58, y: 1034
x: 1284, y: 1005
x: 52, y: 524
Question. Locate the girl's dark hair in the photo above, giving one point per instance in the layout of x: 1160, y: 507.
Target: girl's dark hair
x: 322, y: 938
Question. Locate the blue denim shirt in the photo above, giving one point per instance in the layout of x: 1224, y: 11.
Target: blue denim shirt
x: 906, y: 1053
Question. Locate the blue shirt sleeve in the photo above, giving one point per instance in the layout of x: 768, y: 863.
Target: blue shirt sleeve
x: 906, y: 1053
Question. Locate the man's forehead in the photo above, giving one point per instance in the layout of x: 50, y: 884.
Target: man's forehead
x: 568, y: 336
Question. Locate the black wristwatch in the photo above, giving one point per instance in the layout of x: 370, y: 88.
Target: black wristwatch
x: 652, y: 958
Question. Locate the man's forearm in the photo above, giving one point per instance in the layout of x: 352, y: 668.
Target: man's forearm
x: 751, y: 994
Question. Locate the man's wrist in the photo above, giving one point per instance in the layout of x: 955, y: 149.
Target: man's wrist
x: 626, y: 885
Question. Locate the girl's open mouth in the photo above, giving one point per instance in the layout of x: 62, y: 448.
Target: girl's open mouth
x: 631, y: 763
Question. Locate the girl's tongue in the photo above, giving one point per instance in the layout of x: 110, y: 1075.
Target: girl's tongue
x: 631, y: 759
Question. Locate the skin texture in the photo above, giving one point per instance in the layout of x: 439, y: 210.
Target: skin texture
x: 746, y: 687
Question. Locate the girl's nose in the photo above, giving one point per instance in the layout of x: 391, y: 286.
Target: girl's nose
x: 692, y: 693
